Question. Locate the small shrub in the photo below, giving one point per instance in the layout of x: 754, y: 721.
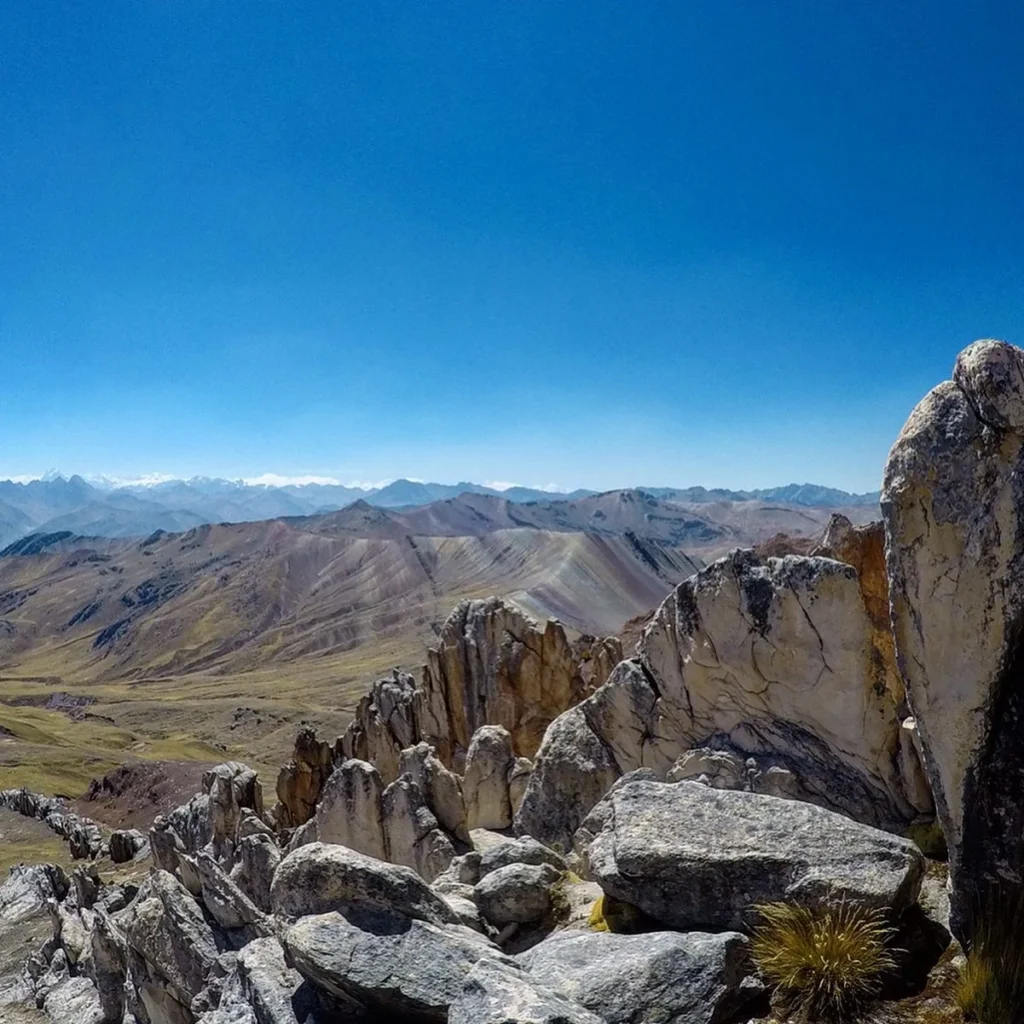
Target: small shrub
x: 596, y: 921
x: 990, y: 989
x: 826, y: 964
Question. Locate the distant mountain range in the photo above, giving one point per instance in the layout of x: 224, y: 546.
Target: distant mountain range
x: 75, y: 505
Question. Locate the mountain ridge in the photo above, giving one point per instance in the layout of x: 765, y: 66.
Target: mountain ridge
x: 56, y: 503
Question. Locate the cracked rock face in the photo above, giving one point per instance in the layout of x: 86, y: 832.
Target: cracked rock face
x: 758, y: 657
x: 953, y: 503
x: 493, y: 665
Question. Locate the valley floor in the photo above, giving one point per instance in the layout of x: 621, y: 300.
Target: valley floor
x: 251, y: 716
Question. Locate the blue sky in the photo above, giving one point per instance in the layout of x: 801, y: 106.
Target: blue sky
x: 575, y: 243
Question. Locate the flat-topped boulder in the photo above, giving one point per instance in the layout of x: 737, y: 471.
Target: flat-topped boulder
x: 696, y: 858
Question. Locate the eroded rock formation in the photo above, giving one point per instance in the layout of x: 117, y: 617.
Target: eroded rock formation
x: 953, y: 503
x: 777, y: 659
x: 491, y: 665
x: 301, y: 781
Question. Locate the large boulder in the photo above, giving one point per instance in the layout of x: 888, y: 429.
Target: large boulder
x: 516, y: 893
x: 693, y: 978
x: 524, y: 850
x: 497, y: 993
x: 318, y: 878
x: 350, y: 811
x: 75, y: 999
x: 385, y: 962
x: 693, y: 858
x: 776, y: 657
x: 574, y: 768
x: 953, y: 503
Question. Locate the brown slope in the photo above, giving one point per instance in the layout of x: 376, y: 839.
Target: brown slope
x: 233, y: 598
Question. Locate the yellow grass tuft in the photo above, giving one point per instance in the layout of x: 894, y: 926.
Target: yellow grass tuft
x: 826, y: 964
x: 990, y: 989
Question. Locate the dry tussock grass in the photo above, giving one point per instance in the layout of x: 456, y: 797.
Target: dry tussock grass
x: 827, y: 964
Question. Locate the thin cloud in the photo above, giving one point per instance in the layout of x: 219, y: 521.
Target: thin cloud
x: 281, y: 480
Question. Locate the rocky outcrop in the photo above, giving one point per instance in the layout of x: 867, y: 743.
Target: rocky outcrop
x: 126, y: 844
x: 696, y: 858
x: 84, y: 836
x: 28, y: 888
x: 109, y: 957
x: 232, y: 788
x: 779, y: 660
x: 301, y: 781
x: 953, y: 503
x: 170, y: 948
x: 214, y: 822
x: 412, y: 833
x: 489, y: 766
x: 441, y: 789
x: 262, y: 989
x: 492, y: 665
x: 238, y: 934
x: 384, y: 725
x: 256, y: 859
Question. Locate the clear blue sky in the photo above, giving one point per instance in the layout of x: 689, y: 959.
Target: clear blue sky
x: 591, y: 243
